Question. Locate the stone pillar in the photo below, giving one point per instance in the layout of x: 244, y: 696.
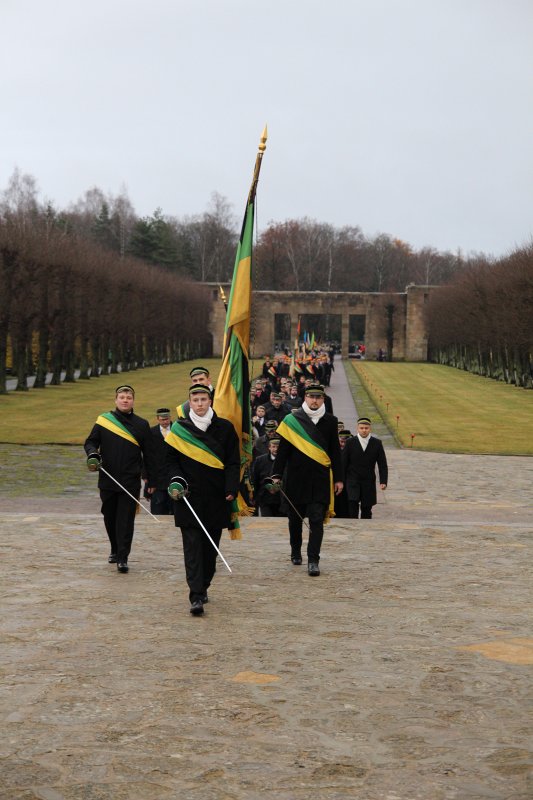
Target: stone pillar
x: 345, y: 332
x: 262, y: 340
x: 416, y: 334
x: 294, y: 330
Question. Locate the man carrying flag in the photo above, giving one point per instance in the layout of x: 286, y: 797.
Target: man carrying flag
x: 310, y: 456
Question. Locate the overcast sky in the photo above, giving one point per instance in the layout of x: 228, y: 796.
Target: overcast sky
x: 407, y: 117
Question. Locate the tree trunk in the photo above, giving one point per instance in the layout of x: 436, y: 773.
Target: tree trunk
x: 20, y: 363
x: 42, y: 356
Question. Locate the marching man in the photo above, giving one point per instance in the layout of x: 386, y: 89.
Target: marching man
x: 203, y: 461
x: 120, y: 441
x: 310, y: 453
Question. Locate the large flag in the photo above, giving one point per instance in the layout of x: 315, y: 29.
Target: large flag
x: 232, y: 397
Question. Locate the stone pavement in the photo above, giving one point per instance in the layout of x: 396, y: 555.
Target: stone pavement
x: 341, y: 396
x: 402, y: 673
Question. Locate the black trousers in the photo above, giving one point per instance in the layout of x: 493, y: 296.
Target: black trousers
x: 353, y: 510
x: 200, y: 559
x: 271, y: 511
x: 119, y: 518
x: 160, y: 503
x: 315, y: 512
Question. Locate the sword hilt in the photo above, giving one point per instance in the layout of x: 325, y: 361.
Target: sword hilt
x: 178, y: 488
x: 94, y: 462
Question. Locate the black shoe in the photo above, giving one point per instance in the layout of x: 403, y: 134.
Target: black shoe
x: 122, y: 566
x: 205, y: 599
x: 313, y: 569
x: 113, y: 558
x: 197, y: 608
x: 296, y: 560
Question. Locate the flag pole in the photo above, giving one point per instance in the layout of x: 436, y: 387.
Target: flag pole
x: 257, y: 168
x: 251, y: 197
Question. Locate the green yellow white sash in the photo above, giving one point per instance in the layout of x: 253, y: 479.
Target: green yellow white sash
x: 294, y: 432
x: 111, y: 423
x: 185, y: 442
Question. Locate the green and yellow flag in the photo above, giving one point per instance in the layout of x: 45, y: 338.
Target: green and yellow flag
x: 232, y: 397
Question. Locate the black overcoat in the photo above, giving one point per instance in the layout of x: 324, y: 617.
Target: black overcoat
x: 208, y: 486
x: 262, y: 469
x: 122, y: 459
x: 160, y: 455
x: 360, y: 469
x: 305, y: 480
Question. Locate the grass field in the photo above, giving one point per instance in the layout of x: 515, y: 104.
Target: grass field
x: 449, y: 410
x: 65, y: 414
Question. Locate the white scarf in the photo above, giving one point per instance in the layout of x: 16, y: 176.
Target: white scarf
x: 314, y: 414
x: 202, y: 422
x: 364, y: 440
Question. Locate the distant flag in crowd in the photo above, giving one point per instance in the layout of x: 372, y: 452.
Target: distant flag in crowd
x: 232, y: 398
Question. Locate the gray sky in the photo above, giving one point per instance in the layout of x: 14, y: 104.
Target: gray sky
x: 408, y: 117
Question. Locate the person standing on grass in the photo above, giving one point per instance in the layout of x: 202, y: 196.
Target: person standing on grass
x: 122, y: 443
x: 360, y: 455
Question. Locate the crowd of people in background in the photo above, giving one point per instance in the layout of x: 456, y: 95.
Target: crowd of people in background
x: 305, y: 464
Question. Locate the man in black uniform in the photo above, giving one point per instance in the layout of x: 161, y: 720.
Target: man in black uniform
x: 160, y: 502
x: 310, y: 455
x: 360, y: 455
x: 198, y: 375
x: 267, y: 501
x: 260, y: 446
x: 276, y: 409
x: 120, y: 440
x: 204, y: 451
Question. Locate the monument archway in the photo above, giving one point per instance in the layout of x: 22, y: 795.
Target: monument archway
x: 394, y: 322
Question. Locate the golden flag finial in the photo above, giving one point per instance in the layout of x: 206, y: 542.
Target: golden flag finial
x: 259, y: 158
x: 263, y: 140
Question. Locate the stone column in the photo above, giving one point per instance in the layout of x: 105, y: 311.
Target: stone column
x: 294, y: 330
x: 345, y: 332
x: 416, y: 334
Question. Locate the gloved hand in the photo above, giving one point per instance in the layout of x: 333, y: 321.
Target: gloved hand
x: 94, y: 461
x: 178, y: 487
x: 272, y: 484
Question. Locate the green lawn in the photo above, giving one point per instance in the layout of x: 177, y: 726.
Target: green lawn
x: 65, y: 414
x: 449, y: 410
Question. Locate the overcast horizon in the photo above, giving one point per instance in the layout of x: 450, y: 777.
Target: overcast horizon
x: 403, y: 117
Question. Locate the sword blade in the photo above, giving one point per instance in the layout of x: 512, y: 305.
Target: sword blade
x: 128, y: 493
x: 294, y: 507
x: 207, y: 534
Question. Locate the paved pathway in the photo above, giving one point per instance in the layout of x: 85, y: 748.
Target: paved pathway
x: 402, y: 673
x: 341, y: 396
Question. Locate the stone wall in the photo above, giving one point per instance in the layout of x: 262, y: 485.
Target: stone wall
x: 409, y: 321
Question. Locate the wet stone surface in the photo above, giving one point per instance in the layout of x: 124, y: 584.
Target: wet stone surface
x: 402, y: 673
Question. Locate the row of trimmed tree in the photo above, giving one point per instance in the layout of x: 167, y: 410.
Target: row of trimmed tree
x: 483, y: 322
x: 69, y: 304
